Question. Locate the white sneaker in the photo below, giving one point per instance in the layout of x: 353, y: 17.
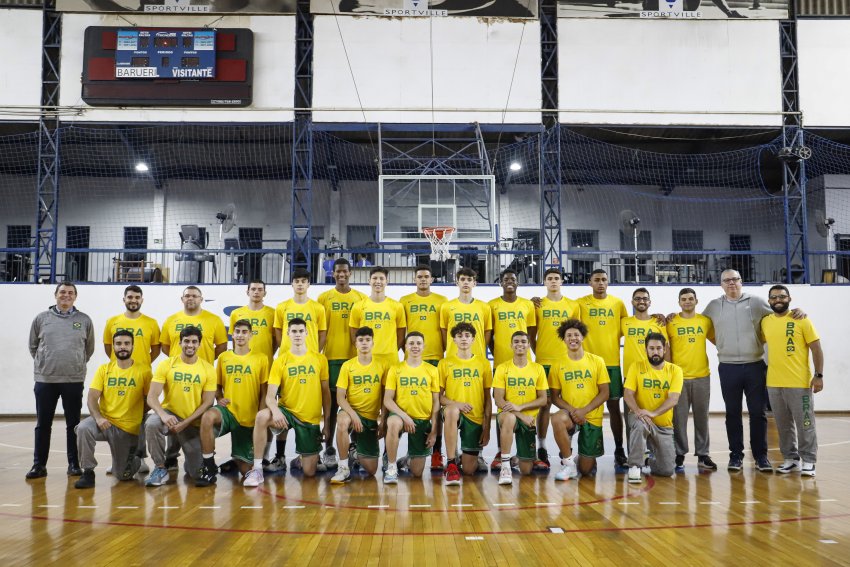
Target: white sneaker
x: 391, y: 476
x: 329, y: 458
x: 321, y: 466
x: 634, y: 475
x: 808, y: 469
x: 295, y: 464
x: 143, y: 468
x: 790, y: 465
x: 254, y: 477
x: 109, y: 469
x: 403, y: 463
x: 505, y: 475
x: 343, y: 475
x: 482, y: 464
x: 568, y: 470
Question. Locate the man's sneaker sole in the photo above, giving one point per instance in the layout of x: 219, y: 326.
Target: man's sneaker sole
x: 808, y: 472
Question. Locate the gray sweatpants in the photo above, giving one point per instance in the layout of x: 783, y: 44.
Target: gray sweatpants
x: 190, y: 440
x: 695, y: 395
x: 794, y: 412
x: 120, y: 442
x: 662, y: 461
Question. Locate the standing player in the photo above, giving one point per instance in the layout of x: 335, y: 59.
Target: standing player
x: 189, y: 385
x: 603, y: 313
x: 579, y: 384
x: 338, y: 303
x: 652, y: 389
x: 519, y: 388
x: 261, y: 317
x: 636, y: 328
x: 467, y: 309
x: 360, y: 395
x: 385, y: 316
x: 145, y: 329
x: 116, y: 403
x: 242, y: 376
x: 412, y: 398
x: 789, y: 384
x: 211, y: 326
x: 688, y: 332
x: 301, y: 377
x: 422, y: 311
x: 465, y: 382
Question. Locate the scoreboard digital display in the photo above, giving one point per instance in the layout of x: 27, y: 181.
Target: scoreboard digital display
x: 165, y: 54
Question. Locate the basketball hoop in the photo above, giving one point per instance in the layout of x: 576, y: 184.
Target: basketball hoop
x: 440, y: 237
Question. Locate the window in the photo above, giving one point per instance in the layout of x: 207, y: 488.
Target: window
x: 135, y: 238
x: 644, y: 243
x: 16, y: 266
x: 687, y: 240
x: 19, y: 236
x: 77, y: 263
x: 743, y: 263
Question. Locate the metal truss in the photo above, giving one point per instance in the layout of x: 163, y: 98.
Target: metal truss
x: 548, y: 10
x: 463, y: 153
x: 793, y: 154
x: 550, y: 191
x: 47, y: 190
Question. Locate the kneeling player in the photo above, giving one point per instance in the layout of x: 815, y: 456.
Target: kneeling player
x: 116, y: 402
x: 359, y: 393
x: 579, y: 385
x: 242, y: 379
x: 465, y: 382
x: 519, y: 387
x: 412, y: 398
x: 301, y: 376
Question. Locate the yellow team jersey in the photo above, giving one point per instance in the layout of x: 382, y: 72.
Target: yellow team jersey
x: 634, y: 338
x: 687, y: 344
x: 465, y: 381
x: 337, y: 310
x: 313, y: 314
x: 423, y: 315
x: 414, y: 388
x: 385, y: 319
x: 788, y: 343
x: 262, y: 323
x: 602, y: 317
x: 123, y: 393
x: 241, y: 378
x: 509, y: 318
x: 652, y: 387
x: 578, y: 381
x: 521, y: 384
x: 550, y: 315
x: 145, y: 334
x: 363, y: 386
x: 212, y: 331
x: 477, y: 313
x: 299, y: 379
x: 184, y: 385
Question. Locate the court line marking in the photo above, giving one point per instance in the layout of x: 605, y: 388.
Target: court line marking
x: 766, y: 522
x: 504, y: 503
x: 789, y: 501
x: 87, y: 507
x: 10, y: 505
x: 168, y: 507
x: 749, y: 502
x: 624, y: 503
x: 252, y: 507
x: 208, y: 507
x: 827, y: 500
x: 420, y: 505
x: 293, y: 507
x: 710, y: 502
x: 379, y: 506
x: 556, y: 530
x: 545, y: 503
x: 827, y: 541
x: 669, y: 503
x: 127, y: 507
x: 48, y: 505
x: 460, y: 505
x: 474, y: 538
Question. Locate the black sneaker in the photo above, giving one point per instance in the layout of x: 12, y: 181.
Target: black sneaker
x: 86, y: 480
x: 680, y: 464
x: 74, y: 469
x: 621, y: 463
x: 230, y: 467
x: 705, y: 463
x: 763, y: 464
x: 171, y: 464
x: 37, y: 471
x: 207, y: 476
x: 735, y: 464
x: 542, y: 463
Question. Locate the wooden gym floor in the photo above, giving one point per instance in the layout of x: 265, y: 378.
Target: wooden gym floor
x: 692, y: 519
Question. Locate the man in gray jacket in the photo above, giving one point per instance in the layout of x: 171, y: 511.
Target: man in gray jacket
x: 737, y: 319
x: 61, y: 343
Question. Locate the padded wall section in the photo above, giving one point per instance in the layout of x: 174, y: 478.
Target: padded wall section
x: 274, y: 61
x: 385, y: 66
x: 20, y: 61
x: 669, y: 72
x: 823, y: 53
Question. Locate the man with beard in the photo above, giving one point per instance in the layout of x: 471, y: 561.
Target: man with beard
x: 145, y: 329
x: 116, y: 403
x: 790, y: 384
x: 651, y: 392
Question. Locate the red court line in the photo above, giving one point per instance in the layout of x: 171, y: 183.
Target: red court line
x: 348, y: 534
x: 650, y: 483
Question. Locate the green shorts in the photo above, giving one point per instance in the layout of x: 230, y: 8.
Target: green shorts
x: 526, y: 440
x: 615, y: 388
x: 416, y: 441
x: 241, y: 437
x: 470, y: 433
x: 334, y: 366
x: 367, y: 440
x: 433, y: 363
x: 590, y: 442
x: 308, y: 436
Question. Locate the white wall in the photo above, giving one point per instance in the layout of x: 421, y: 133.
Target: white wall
x: 20, y: 60
x: 666, y: 69
x: 101, y: 302
x: 391, y: 62
x: 274, y: 64
x: 823, y: 52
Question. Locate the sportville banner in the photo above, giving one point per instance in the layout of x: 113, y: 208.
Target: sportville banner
x: 181, y: 7
x: 675, y: 9
x: 427, y: 8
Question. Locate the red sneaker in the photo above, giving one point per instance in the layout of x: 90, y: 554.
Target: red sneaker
x: 496, y: 463
x: 452, y: 475
x: 437, y: 461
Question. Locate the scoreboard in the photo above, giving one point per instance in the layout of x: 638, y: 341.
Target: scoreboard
x: 165, y: 54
